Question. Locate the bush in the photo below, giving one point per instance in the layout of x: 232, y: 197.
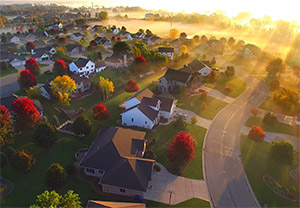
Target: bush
x: 194, y: 120
x: 180, y: 123
x: 157, y: 168
x: 282, y: 152
x: 55, y: 176
x: 270, y: 119
x: 3, y: 160
x: 55, y: 121
x: 23, y: 161
x: 70, y: 170
x: 82, y: 125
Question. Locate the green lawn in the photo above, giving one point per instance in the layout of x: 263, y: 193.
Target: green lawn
x: 165, y: 134
x: 236, y: 84
x: 189, y: 203
x: 269, y: 105
x: 194, y: 104
x: 278, y: 128
x: 257, y: 164
x: 43, y: 78
x: 7, y: 72
x: 43, y: 65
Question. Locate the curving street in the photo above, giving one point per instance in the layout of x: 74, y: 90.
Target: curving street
x: 226, y: 180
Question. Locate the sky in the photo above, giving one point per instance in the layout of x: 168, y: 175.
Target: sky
x: 286, y: 9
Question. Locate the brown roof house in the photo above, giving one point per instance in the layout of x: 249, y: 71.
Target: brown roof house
x: 119, y: 60
x: 82, y: 83
x: 116, y: 159
x: 144, y: 109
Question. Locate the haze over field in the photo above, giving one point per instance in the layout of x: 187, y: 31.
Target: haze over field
x: 287, y: 10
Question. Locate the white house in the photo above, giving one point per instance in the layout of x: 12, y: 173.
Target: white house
x: 16, y: 60
x: 145, y: 110
x: 115, y: 30
x: 82, y: 66
x: 76, y: 36
x: 154, y: 40
x: 197, y: 66
x: 15, y: 39
x: 41, y: 54
x: 168, y: 51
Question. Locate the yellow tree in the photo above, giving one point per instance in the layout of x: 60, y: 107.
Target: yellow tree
x: 106, y: 87
x: 64, y: 99
x: 174, y: 33
x: 183, y: 49
x: 63, y: 84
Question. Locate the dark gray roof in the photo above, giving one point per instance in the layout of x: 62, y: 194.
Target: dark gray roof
x: 79, y: 79
x: 166, y: 49
x: 177, y: 75
x: 165, y: 103
x: 40, y: 51
x: 77, y: 34
x: 70, y: 47
x: 112, y: 152
x: 152, y: 101
x: 7, y: 101
x: 101, y: 40
x: 148, y: 111
x: 13, y: 57
x: 81, y: 62
x: 5, y: 46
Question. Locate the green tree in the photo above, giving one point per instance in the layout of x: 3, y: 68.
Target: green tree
x: 180, y: 123
x: 194, y: 120
x: 53, y: 199
x: 282, y: 152
x: 23, y: 161
x: 45, y: 135
x: 82, y: 125
x: 121, y: 47
x: 4, y: 66
x: 56, y: 176
x: 270, y: 119
x: 275, y: 66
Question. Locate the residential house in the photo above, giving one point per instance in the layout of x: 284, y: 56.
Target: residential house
x: 7, y: 101
x: 116, y: 160
x: 125, y: 35
x: 16, y: 60
x: 144, y: 109
x: 114, y: 30
x: 6, y: 47
x: 149, y: 15
x: 99, y: 67
x: 103, y: 41
x: 174, y: 80
x: 74, y: 49
x: 39, y: 43
x: 250, y: 51
x: 110, y: 204
x: 82, y: 83
x: 96, y: 28
x: 119, y: 60
x: 31, y: 37
x: 168, y: 51
x: 14, y: 39
x: 41, y: 54
x: 76, y: 36
x: 46, y: 91
x: 86, y: 27
x: 197, y: 66
x: 82, y: 66
x: 139, y: 36
x: 154, y: 40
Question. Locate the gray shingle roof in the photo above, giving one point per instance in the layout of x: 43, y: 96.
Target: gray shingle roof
x: 166, y: 49
x: 177, y: 75
x: 81, y: 62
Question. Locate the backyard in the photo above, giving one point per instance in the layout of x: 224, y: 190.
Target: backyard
x: 257, y: 163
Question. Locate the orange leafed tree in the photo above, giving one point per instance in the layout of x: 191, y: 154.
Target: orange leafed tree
x: 131, y: 86
x: 257, y: 134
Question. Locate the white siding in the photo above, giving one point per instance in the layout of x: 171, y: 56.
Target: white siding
x: 97, y: 173
x: 117, y: 190
x: 204, y: 71
x: 45, y: 94
x: 135, y: 117
x: 132, y: 102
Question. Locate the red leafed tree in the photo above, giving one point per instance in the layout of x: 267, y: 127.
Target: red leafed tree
x: 65, y: 30
x: 53, y: 31
x: 113, y: 38
x: 33, y: 66
x: 60, y: 67
x: 119, y: 39
x: 93, y: 43
x: 140, y: 60
x: 181, y: 151
x: 131, y: 86
x: 25, y: 112
x: 26, y: 79
x: 100, y: 112
x: 6, y: 129
x: 212, y: 76
x: 29, y: 46
x: 257, y: 134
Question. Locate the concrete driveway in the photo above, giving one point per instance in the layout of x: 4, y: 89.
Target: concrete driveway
x: 171, y: 189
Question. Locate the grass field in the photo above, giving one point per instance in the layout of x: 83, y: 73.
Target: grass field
x: 236, y: 84
x: 165, y: 134
x: 7, y: 72
x: 257, y: 163
x: 277, y: 128
x: 194, y: 104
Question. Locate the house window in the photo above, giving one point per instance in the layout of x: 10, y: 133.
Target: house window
x: 89, y: 170
x: 175, y: 82
x: 145, y: 122
x: 159, y: 81
x: 87, y: 67
x: 122, y: 190
x: 101, y: 171
x: 132, y: 120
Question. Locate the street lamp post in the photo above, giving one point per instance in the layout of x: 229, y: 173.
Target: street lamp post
x: 171, y: 192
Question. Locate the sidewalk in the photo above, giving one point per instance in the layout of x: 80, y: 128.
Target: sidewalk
x: 171, y: 189
x: 271, y: 136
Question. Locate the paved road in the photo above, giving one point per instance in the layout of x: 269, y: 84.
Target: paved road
x: 224, y: 174
x: 9, y: 85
